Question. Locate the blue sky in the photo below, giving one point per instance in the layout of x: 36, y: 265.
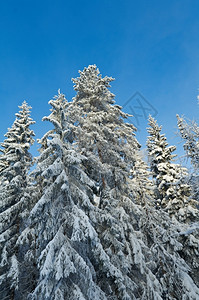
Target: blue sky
x: 148, y: 46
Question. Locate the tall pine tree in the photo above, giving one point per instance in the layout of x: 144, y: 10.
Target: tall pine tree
x: 15, y: 162
x: 101, y: 134
x: 173, y: 193
x: 190, y: 134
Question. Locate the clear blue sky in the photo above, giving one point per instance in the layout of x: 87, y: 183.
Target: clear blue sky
x: 148, y: 46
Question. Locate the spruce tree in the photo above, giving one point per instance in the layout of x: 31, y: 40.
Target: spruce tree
x: 101, y: 134
x: 190, y: 134
x: 173, y: 193
x: 15, y: 162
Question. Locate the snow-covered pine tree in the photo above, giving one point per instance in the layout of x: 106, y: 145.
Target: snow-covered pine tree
x: 101, y: 133
x: 173, y: 193
x: 15, y: 162
x: 190, y: 134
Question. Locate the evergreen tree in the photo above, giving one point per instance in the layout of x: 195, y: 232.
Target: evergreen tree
x: 101, y: 134
x: 190, y: 135
x: 173, y: 192
x: 15, y: 162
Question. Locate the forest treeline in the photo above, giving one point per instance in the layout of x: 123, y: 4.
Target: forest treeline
x: 93, y: 220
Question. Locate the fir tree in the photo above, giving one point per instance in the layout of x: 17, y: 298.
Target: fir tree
x: 101, y: 134
x: 190, y: 135
x: 173, y: 192
x: 15, y: 162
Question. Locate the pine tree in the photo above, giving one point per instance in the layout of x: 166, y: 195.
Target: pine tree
x: 15, y: 162
x: 101, y: 134
x: 173, y: 193
x: 189, y: 132
x: 190, y: 135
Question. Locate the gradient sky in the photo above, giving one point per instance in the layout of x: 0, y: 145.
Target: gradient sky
x: 150, y: 47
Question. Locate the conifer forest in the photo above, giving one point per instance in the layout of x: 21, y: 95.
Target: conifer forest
x: 90, y: 218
